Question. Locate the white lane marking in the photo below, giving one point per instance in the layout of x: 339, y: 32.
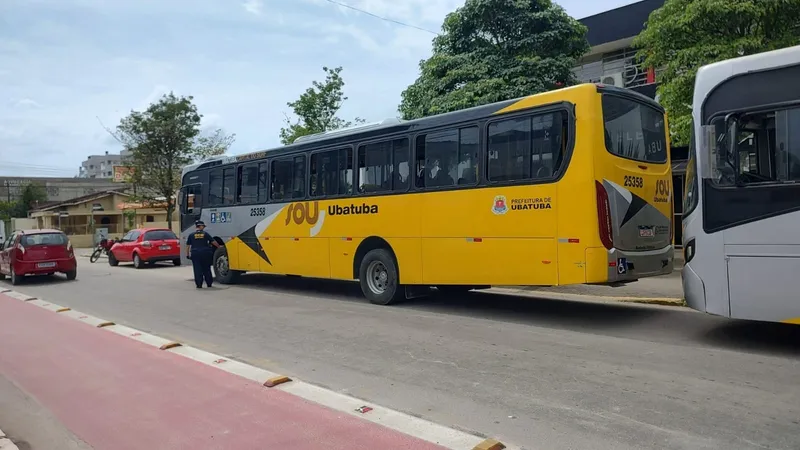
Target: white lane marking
x: 396, y: 420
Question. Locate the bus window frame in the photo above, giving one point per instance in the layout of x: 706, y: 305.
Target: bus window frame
x: 634, y: 99
x: 239, y: 169
x: 307, y: 182
x: 356, y: 172
x: 331, y: 148
x: 479, y: 124
x: 568, y: 109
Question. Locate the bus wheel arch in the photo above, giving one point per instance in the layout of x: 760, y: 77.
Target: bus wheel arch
x: 375, y: 266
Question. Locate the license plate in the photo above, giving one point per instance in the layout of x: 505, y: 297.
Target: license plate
x: 165, y: 247
x: 646, y: 232
x: 45, y: 265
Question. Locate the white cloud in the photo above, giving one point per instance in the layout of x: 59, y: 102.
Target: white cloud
x: 27, y: 103
x: 253, y: 7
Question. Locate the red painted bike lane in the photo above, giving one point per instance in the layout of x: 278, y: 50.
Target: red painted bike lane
x: 116, y: 393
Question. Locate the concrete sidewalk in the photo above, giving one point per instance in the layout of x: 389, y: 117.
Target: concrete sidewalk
x: 113, y: 392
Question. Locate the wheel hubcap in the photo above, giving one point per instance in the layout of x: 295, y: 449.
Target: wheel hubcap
x: 222, y: 265
x: 377, y: 277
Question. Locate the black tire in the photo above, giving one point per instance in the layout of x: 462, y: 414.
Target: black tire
x: 2, y: 276
x: 177, y: 262
x: 15, y: 279
x: 112, y: 260
x: 137, y: 261
x: 379, y: 278
x: 71, y: 275
x: 95, y: 255
x: 222, y: 270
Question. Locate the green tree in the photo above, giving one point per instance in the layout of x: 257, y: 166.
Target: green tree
x: 684, y: 35
x: 32, y: 196
x: 317, y: 107
x: 162, y: 139
x: 493, y: 50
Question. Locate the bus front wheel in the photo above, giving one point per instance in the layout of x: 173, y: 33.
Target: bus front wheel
x: 379, y: 278
x: 222, y: 267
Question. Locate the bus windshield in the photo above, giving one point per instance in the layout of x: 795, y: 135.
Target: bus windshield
x: 634, y: 130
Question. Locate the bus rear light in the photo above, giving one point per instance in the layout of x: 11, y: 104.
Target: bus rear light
x: 604, y: 216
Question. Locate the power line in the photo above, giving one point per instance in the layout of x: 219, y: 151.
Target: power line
x: 344, y: 5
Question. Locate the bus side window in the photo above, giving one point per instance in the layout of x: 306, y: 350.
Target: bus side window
x: 247, y: 187
x: 215, y: 187
x: 525, y: 148
x: 375, y: 167
x: 448, y: 158
x: 228, y: 186
x: 262, y: 182
x: 288, y: 178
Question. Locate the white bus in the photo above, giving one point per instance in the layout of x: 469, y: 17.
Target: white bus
x: 741, y: 222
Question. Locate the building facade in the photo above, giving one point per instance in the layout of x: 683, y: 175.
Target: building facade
x: 101, y: 166
x: 56, y: 189
x: 612, y: 60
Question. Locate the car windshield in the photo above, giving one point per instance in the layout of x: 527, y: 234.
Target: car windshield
x: 30, y: 240
x: 159, y: 235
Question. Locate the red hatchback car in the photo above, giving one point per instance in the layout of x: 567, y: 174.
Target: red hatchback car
x: 37, y: 252
x: 146, y: 246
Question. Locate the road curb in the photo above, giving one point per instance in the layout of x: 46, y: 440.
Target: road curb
x: 665, y: 301
x: 442, y: 435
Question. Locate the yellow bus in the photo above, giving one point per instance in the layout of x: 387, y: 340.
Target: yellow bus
x: 565, y: 187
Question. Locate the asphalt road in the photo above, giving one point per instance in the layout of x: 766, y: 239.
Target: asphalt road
x: 542, y: 374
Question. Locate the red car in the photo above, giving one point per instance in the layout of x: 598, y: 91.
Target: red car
x: 146, y: 246
x: 37, y: 252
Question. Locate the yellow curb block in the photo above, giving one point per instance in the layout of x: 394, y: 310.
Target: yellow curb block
x: 490, y: 444
x: 170, y: 345
x: 60, y: 310
x: 274, y: 381
x: 105, y: 324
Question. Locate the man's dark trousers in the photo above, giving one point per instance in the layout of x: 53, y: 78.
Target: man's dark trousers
x: 201, y: 264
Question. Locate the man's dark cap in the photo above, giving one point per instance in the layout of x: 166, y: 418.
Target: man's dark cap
x: 197, y: 223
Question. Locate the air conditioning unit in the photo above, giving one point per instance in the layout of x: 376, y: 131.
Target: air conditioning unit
x: 614, y: 79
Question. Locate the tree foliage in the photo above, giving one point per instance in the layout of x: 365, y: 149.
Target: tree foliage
x: 32, y: 196
x: 493, y: 50
x: 162, y: 139
x: 684, y: 35
x: 317, y: 107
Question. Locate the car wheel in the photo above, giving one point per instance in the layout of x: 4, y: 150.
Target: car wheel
x: 379, y: 278
x: 112, y: 260
x: 15, y: 279
x: 72, y: 275
x: 222, y: 268
x: 176, y: 262
x: 137, y: 261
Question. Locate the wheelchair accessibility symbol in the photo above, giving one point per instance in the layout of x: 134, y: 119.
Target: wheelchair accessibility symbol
x: 622, y: 266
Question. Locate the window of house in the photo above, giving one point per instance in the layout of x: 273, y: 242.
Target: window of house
x: 526, y: 148
x: 447, y: 158
x: 383, y: 166
x: 288, y: 178
x: 332, y: 173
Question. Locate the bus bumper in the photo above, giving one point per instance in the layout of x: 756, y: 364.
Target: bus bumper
x: 694, y: 291
x: 631, y: 265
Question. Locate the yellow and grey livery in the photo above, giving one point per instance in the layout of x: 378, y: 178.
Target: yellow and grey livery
x: 521, y: 192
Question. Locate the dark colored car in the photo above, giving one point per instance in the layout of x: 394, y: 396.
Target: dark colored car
x: 146, y: 246
x: 37, y: 252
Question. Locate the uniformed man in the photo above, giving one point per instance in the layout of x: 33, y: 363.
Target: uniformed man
x: 200, y: 249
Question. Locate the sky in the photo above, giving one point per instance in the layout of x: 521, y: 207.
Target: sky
x: 69, y: 69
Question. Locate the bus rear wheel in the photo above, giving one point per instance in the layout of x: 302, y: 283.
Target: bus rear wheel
x: 222, y: 267
x: 379, y: 278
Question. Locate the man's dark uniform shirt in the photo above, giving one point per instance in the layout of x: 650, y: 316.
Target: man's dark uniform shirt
x: 202, y: 253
